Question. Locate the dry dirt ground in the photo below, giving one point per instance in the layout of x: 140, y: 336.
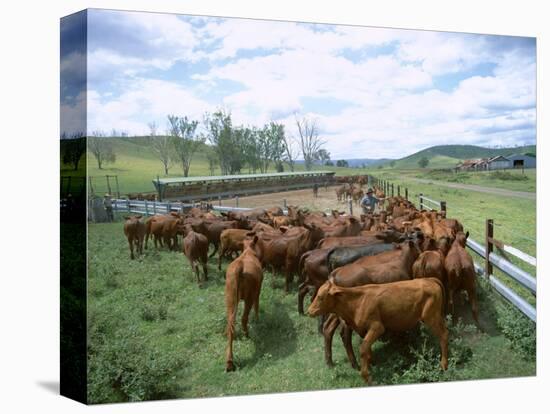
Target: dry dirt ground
x: 326, y: 200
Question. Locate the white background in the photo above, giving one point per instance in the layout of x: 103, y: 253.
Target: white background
x: 29, y: 235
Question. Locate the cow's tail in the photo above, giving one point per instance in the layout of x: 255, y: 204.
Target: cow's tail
x: 301, y: 264
x: 443, y: 296
x: 147, y: 231
x: 232, y: 312
x: 328, y: 263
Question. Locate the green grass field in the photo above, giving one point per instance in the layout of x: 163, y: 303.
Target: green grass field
x: 153, y: 333
x: 514, y: 180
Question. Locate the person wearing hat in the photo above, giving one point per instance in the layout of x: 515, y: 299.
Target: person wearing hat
x: 369, y: 201
x: 108, y: 204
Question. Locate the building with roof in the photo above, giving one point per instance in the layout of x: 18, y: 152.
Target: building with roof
x: 497, y: 163
x: 229, y: 186
x: 522, y: 161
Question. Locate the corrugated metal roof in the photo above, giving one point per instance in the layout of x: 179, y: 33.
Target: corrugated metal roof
x: 237, y: 177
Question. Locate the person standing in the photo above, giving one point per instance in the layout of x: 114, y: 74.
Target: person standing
x: 315, y: 190
x: 108, y: 204
x: 368, y: 202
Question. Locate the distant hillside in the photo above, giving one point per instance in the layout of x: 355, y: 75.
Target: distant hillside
x: 356, y: 162
x: 447, y: 156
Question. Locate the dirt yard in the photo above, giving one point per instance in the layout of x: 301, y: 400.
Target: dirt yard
x: 326, y: 200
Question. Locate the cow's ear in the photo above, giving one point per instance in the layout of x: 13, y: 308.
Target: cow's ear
x: 307, y: 226
x: 255, y: 239
x: 283, y: 229
x: 138, y: 216
x: 467, y: 234
x: 251, y: 234
x: 352, y: 219
x: 127, y: 217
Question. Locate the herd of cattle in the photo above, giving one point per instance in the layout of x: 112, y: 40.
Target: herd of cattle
x: 383, y: 271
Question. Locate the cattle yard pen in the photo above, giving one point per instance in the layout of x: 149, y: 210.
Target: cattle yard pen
x: 230, y: 186
x: 486, y: 252
x: 483, y: 250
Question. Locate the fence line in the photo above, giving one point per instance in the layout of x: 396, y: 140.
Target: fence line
x: 486, y: 252
x: 150, y: 208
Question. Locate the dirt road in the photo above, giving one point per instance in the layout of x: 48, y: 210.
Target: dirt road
x: 481, y: 189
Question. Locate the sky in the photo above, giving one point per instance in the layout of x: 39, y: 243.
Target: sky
x: 373, y: 92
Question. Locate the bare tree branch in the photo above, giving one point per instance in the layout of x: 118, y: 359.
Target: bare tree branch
x: 310, y: 142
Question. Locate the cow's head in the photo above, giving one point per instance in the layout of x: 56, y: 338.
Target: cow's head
x: 253, y: 242
x: 324, y: 300
x: 443, y: 244
x: 461, y: 238
x: 316, y: 233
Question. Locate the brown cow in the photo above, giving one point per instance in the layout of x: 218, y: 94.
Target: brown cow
x: 195, y: 248
x: 134, y: 230
x: 372, y: 309
x: 231, y: 240
x: 243, y: 281
x: 163, y: 228
x: 430, y: 263
x: 461, y: 274
x: 213, y: 230
x: 314, y: 271
x: 386, y: 267
x: 279, y: 221
x: 284, y: 251
x: 351, y: 227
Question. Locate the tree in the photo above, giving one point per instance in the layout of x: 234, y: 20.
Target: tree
x: 291, y: 151
x: 101, y: 149
x: 185, y: 140
x: 270, y: 144
x: 73, y: 148
x: 323, y: 155
x: 310, y: 142
x: 212, y: 158
x: 228, y: 143
x: 161, y: 146
x: 329, y: 163
x: 423, y: 162
x: 342, y: 163
x: 392, y: 163
x: 251, y: 150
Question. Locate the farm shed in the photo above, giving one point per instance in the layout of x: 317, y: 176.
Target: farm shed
x: 480, y: 164
x: 467, y: 164
x: 522, y: 161
x: 498, y: 163
x: 229, y: 186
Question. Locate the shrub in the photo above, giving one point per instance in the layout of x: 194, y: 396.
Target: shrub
x: 519, y: 330
x: 130, y: 368
x: 419, y: 362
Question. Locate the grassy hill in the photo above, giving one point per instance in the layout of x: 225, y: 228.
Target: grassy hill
x: 447, y: 156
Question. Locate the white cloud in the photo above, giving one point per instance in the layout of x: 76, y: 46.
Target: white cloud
x: 145, y: 100
x: 391, y: 106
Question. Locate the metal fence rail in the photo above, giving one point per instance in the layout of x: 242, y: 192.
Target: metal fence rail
x: 486, y: 252
x: 149, y: 208
x: 526, y: 308
x: 509, y: 269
